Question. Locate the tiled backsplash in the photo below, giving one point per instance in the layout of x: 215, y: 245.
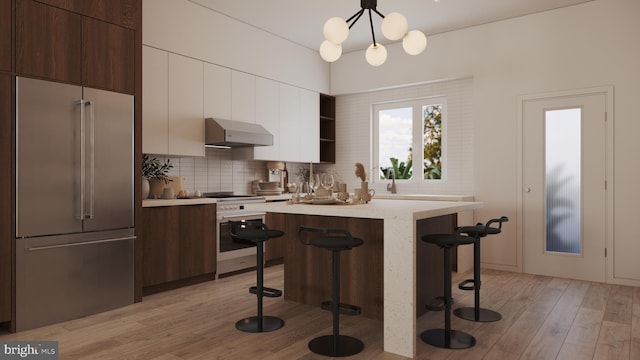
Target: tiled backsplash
x: 221, y: 170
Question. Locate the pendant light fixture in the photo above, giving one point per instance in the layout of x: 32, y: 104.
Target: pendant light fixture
x: 394, y: 27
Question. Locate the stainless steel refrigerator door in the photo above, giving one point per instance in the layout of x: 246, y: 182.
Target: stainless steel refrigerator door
x: 109, y: 186
x: 48, y: 158
x: 60, y: 278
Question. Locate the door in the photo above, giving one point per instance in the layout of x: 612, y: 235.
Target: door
x: 109, y: 183
x: 564, y: 172
x: 48, y: 158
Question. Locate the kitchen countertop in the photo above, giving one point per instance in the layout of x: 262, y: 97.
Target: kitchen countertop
x: 284, y: 197
x: 200, y: 201
x: 390, y: 209
x: 399, y: 248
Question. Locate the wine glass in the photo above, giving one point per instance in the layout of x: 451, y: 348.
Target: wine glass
x: 314, y: 182
x: 327, y: 182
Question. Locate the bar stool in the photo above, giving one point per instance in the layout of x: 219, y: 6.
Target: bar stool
x: 335, y: 240
x: 448, y: 338
x: 257, y: 232
x: 476, y: 313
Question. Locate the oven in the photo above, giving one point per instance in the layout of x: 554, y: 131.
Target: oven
x: 231, y: 255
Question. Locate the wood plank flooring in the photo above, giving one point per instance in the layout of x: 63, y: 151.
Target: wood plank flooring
x: 543, y: 318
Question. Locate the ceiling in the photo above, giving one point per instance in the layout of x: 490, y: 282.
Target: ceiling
x: 301, y: 21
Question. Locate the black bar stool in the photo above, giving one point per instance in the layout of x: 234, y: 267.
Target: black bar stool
x: 448, y: 338
x: 335, y: 240
x: 257, y: 232
x: 476, y: 313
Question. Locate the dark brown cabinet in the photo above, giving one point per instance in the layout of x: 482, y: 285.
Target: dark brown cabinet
x: 179, y: 243
x: 6, y: 196
x: 327, y: 129
x: 197, y: 240
x: 274, y: 248
x: 160, y: 226
x: 48, y: 42
x: 65, y: 46
x: 119, y: 12
x: 107, y: 56
x: 5, y: 35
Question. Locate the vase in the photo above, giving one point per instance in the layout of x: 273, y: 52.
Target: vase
x: 145, y: 187
x: 156, y: 186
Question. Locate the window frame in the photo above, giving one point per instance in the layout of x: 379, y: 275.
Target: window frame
x: 416, y: 183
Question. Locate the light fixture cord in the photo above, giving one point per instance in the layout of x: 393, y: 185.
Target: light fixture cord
x: 373, y: 35
x: 356, y: 16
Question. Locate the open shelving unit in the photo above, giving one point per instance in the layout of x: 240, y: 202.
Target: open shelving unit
x: 327, y: 129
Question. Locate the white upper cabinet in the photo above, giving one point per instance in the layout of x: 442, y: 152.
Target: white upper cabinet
x: 217, y: 91
x: 310, y: 137
x: 243, y: 97
x: 290, y: 126
x: 268, y: 115
x: 172, y: 120
x: 180, y: 92
x: 155, y: 112
x: 186, y: 119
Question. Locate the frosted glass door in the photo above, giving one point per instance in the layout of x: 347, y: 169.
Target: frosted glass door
x: 564, y: 198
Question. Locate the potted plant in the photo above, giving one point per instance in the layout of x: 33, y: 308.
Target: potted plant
x: 155, y: 177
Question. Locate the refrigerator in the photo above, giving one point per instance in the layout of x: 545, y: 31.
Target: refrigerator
x: 74, y: 201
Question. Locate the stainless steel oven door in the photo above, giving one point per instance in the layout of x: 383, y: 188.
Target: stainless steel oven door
x: 231, y: 255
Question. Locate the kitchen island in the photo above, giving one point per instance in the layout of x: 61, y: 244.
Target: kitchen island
x: 400, y: 222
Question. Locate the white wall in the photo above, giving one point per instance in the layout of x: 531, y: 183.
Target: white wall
x: 587, y: 45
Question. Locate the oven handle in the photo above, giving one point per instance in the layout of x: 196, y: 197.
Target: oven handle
x: 240, y: 217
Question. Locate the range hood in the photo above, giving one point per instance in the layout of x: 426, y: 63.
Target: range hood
x: 228, y: 133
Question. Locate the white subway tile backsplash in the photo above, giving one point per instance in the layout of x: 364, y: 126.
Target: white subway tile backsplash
x: 217, y: 171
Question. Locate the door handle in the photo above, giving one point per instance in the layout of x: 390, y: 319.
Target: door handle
x: 92, y: 126
x: 527, y: 189
x: 81, y: 188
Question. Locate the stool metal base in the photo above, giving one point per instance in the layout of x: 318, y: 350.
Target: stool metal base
x: 457, y: 339
x: 347, y: 346
x: 250, y: 324
x: 484, y: 315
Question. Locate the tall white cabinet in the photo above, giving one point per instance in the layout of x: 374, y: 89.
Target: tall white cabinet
x: 155, y: 111
x: 172, y: 113
x: 186, y: 120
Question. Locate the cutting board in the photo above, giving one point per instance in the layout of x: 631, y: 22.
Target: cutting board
x: 177, y: 184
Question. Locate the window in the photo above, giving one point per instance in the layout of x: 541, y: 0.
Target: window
x: 409, y: 140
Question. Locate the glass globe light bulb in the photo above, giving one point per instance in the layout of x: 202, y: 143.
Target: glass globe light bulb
x: 376, y: 55
x: 330, y: 51
x: 336, y: 30
x: 414, y: 42
x: 394, y: 26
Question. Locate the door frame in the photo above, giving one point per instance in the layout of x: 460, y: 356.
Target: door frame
x: 608, y: 92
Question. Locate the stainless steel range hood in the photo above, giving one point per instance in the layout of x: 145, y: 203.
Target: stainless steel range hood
x: 228, y: 133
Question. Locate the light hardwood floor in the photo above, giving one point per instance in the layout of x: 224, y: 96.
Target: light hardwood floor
x: 543, y: 318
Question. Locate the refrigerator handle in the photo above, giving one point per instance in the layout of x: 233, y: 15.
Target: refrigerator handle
x: 92, y: 123
x: 81, y: 188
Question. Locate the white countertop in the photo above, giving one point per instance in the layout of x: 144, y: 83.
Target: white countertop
x: 388, y: 209
x: 284, y: 197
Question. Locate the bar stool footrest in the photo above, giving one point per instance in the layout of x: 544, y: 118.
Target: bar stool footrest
x: 468, y: 284
x: 268, y: 292
x: 345, y: 309
x: 437, y: 303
